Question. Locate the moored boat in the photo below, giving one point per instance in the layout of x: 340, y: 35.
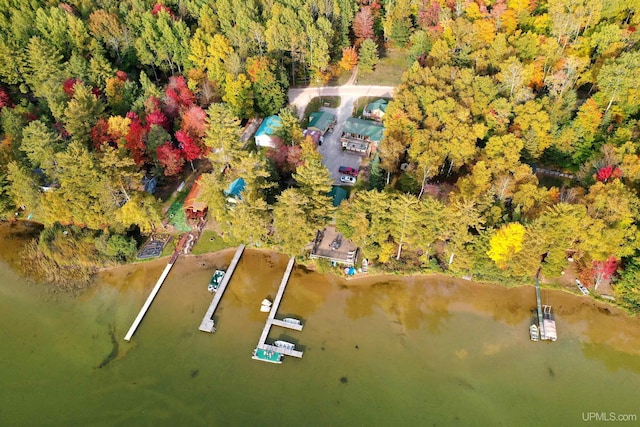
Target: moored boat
x: 216, y: 280
x: 267, y: 355
x: 285, y: 344
x: 533, y: 332
x: 292, y: 321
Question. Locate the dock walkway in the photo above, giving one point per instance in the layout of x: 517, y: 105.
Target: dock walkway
x: 150, y: 298
x: 207, y: 324
x: 272, y: 321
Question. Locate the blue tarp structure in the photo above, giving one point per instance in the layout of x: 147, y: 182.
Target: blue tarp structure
x: 338, y: 194
x: 235, y: 188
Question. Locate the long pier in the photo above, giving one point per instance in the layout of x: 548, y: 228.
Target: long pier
x: 207, y: 324
x: 149, y: 300
x: 272, y: 321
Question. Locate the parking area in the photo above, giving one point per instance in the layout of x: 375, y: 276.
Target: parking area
x: 331, y: 149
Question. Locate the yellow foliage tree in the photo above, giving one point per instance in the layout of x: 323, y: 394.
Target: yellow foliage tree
x: 505, y: 243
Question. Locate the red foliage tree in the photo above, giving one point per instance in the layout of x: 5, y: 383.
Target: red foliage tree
x: 177, y: 96
x: 603, y: 271
x: 100, y: 134
x: 158, y: 7
x: 122, y: 76
x: 157, y: 117
x: 5, y: 99
x: 135, y: 139
x: 429, y: 15
x: 286, y: 157
x: 363, y: 25
x: 189, y: 148
x: 608, y: 172
x: 68, y: 86
x: 170, y: 159
x: 194, y: 121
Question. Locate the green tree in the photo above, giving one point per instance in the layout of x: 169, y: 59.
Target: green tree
x: 292, y: 231
x: 141, y: 209
x: 40, y: 144
x: 82, y: 112
x: 239, y: 96
x: 367, y: 56
x: 315, y: 182
x: 23, y: 188
x: 222, y: 136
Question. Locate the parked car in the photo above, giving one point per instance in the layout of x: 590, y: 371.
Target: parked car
x: 348, y: 179
x: 348, y: 171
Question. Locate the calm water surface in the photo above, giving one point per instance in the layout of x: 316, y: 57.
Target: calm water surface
x: 387, y: 351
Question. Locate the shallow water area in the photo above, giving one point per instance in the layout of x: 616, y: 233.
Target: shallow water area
x: 377, y: 351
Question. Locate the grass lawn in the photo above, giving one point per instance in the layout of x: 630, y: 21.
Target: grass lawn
x: 317, y: 102
x: 176, y: 214
x: 360, y: 103
x: 389, y: 70
x: 210, y: 241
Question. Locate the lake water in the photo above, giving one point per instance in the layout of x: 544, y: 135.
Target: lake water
x: 378, y: 352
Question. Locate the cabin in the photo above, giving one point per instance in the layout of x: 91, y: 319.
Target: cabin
x: 361, y: 136
x: 321, y: 121
x: 194, y: 208
x: 234, y: 190
x: 266, y: 134
x: 375, y: 110
x: 330, y: 244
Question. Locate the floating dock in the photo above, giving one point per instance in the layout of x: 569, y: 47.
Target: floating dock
x: 272, y: 321
x: 546, y: 322
x: 149, y: 300
x: 207, y: 324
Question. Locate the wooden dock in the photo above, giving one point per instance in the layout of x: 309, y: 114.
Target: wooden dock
x: 149, y: 300
x: 207, y: 324
x: 272, y: 321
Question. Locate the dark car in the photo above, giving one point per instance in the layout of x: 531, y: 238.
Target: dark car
x: 348, y: 171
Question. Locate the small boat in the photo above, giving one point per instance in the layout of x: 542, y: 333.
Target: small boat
x: 265, y: 308
x: 216, y: 280
x: 582, y: 287
x: 266, y: 302
x: 292, y: 321
x: 285, y: 344
x: 267, y: 355
x: 533, y: 332
x: 548, y: 324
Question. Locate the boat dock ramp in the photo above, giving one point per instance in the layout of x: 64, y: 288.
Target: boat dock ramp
x: 207, y: 324
x: 289, y: 323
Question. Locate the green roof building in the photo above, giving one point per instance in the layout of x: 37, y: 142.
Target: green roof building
x: 322, y: 121
x: 376, y: 110
x: 361, y: 136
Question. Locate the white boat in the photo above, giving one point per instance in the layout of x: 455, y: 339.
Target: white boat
x: 216, y: 280
x: 285, y: 344
x: 582, y: 287
x: 533, y: 332
x: 265, y: 308
x: 266, y: 302
x: 292, y: 321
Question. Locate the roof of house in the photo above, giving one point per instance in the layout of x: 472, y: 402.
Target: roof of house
x: 235, y: 188
x: 191, y: 203
x: 378, y: 104
x: 269, y: 126
x: 321, y: 120
x: 313, y: 134
x: 368, y: 128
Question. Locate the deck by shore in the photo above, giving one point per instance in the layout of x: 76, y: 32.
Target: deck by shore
x: 207, y: 324
x: 272, y: 321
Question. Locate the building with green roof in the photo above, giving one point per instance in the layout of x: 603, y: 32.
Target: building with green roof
x: 376, y: 110
x: 361, y: 136
x: 322, y: 121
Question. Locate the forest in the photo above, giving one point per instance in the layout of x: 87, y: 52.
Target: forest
x: 96, y: 97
